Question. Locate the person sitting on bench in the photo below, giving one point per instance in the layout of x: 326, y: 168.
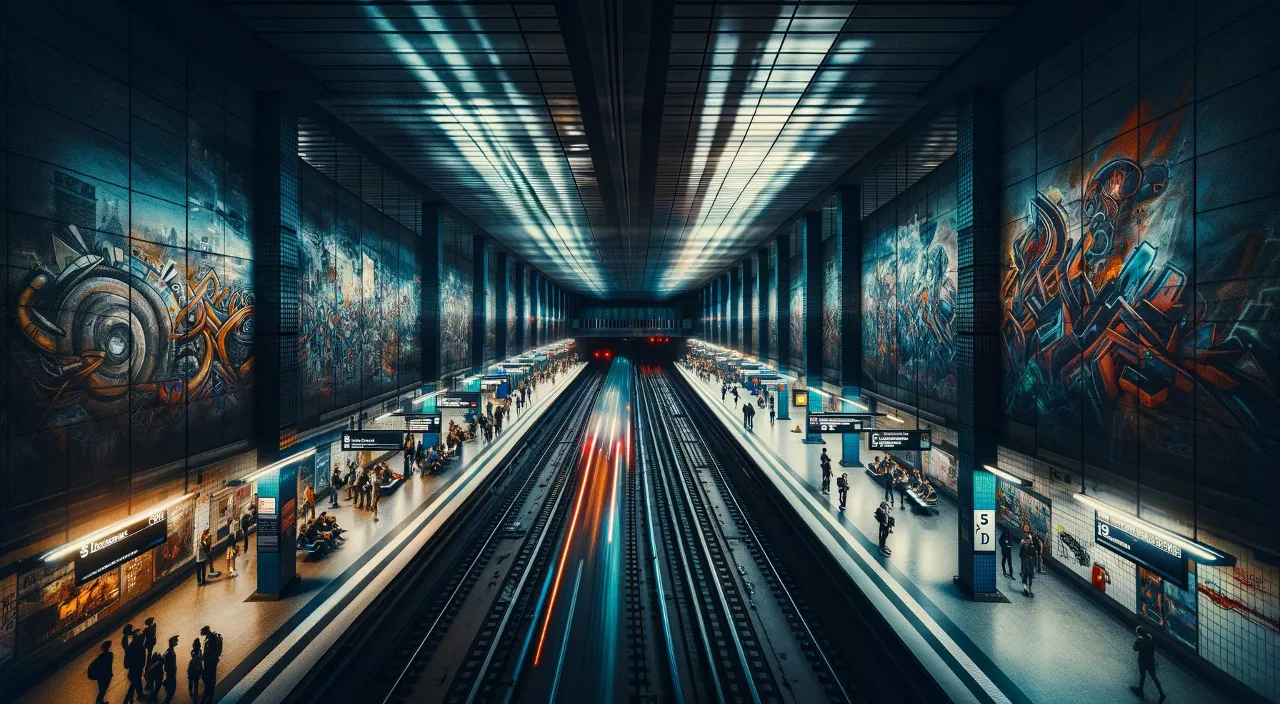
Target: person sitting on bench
x: 320, y: 540
x: 433, y: 460
x: 927, y: 493
x: 328, y: 526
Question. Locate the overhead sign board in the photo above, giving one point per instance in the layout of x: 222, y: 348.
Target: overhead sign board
x: 1129, y: 540
x: 458, y: 399
x: 827, y: 423
x: 105, y: 552
x: 422, y: 422
x: 901, y: 440
x: 357, y: 440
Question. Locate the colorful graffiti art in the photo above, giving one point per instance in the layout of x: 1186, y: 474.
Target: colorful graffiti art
x: 832, y: 314
x: 773, y: 302
x: 455, y: 313
x: 1101, y: 322
x: 796, y: 337
x: 909, y: 307
x: 146, y: 330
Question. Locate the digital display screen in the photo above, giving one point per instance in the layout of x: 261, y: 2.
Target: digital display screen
x: 108, y: 551
x: 423, y: 422
x: 901, y: 440
x: 458, y: 399
x: 356, y: 440
x: 833, y: 423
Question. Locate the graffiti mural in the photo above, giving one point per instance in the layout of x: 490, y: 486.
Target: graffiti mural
x: 796, y: 303
x: 490, y: 303
x: 358, y: 311
x: 909, y: 306
x: 832, y: 314
x: 773, y: 302
x: 511, y: 321
x: 455, y: 313
x: 1102, y: 327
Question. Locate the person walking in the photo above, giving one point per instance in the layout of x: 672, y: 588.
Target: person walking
x: 745, y: 415
x: 233, y: 551
x: 902, y: 492
x: 773, y: 414
x: 825, y: 463
x: 195, y: 668
x: 888, y: 488
x: 1145, y: 647
x: 842, y: 485
x: 135, y: 663
x: 202, y: 559
x: 335, y: 481
x: 1027, y: 560
x: 101, y: 670
x: 170, y: 666
x: 376, y: 494
x: 751, y: 418
x: 212, y: 654
x: 1006, y: 554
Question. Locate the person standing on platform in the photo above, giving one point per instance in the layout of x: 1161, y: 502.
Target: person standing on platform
x: 842, y: 486
x: 1145, y: 647
x: 101, y: 671
x: 335, y: 481
x: 154, y: 676
x: 310, y: 498
x: 1039, y: 546
x: 1027, y: 560
x: 745, y: 425
x: 888, y: 488
x: 245, y: 522
x: 883, y: 519
x: 826, y: 472
x: 375, y: 492
x: 773, y: 414
x: 149, y: 636
x: 135, y: 663
x: 735, y: 395
x: 195, y: 668
x: 202, y: 558
x: 902, y: 492
x: 1006, y: 554
x: 212, y: 654
x: 724, y: 390
x: 751, y: 418
x: 170, y: 670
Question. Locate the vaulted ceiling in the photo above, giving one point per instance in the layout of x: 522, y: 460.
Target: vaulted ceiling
x: 628, y: 148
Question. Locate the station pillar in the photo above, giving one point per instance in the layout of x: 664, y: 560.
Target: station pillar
x: 782, y: 290
x: 850, y: 443
x: 762, y: 303
x: 977, y: 339
x: 811, y: 324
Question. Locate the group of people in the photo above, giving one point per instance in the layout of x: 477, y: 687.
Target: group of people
x: 150, y: 671
x: 1030, y: 558
x: 903, y: 479
x: 322, y: 532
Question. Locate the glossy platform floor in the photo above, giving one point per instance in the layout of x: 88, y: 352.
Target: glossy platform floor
x: 258, y: 636
x: 1057, y: 647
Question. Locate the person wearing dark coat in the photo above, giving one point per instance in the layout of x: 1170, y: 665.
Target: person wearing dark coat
x: 135, y: 663
x: 154, y: 675
x: 1145, y: 647
x: 1006, y: 554
x: 101, y: 670
x: 170, y: 670
x: 149, y: 636
x: 195, y: 668
x: 211, y: 657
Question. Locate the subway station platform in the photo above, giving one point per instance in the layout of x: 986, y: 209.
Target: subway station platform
x: 270, y: 645
x: 1056, y: 647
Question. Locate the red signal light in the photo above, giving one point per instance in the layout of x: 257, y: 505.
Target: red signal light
x: 608, y: 354
x: 597, y: 354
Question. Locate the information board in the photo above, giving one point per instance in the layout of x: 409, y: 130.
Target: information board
x: 901, y: 440
x: 458, y: 399
x: 422, y: 422
x: 268, y: 529
x: 834, y: 423
x: 356, y: 440
x: 1129, y: 540
x: 109, y: 551
x: 799, y: 398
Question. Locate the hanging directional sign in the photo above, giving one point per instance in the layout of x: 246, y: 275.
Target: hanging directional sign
x: 901, y: 440
x: 834, y: 423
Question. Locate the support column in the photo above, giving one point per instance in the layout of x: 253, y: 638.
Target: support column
x: 745, y: 273
x: 478, y: 243
x: 504, y: 261
x: 276, y: 337
x: 977, y: 338
x: 849, y: 254
x: 783, y: 292
x: 762, y: 303
x: 735, y: 307
x: 431, y: 258
x: 811, y: 351
x: 521, y: 313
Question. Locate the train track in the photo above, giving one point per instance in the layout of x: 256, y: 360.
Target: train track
x: 388, y: 658
x: 743, y: 657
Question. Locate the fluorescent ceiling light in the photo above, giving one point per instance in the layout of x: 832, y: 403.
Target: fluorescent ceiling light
x: 1013, y: 478
x: 67, y: 548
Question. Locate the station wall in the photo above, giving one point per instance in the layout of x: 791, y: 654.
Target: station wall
x: 455, y: 312
x: 1141, y: 253
x: 359, y: 318
x: 490, y: 303
x: 772, y: 294
x: 909, y: 265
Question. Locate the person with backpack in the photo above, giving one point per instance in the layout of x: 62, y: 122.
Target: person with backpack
x: 101, y: 671
x: 334, y: 483
x: 170, y: 661
x: 195, y: 669
x: 884, y: 519
x: 842, y: 485
x: 212, y: 654
x: 826, y: 472
x: 1145, y: 647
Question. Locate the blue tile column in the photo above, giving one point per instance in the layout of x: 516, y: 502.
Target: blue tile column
x: 811, y: 351
x: 850, y: 443
x: 277, y: 532
x: 276, y: 393
x: 849, y: 252
x: 977, y: 338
